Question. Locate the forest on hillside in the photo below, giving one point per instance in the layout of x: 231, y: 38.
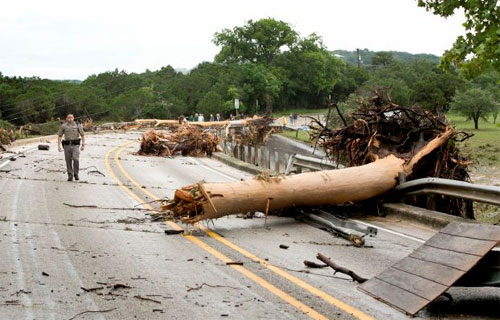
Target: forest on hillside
x: 268, y: 66
x: 366, y: 56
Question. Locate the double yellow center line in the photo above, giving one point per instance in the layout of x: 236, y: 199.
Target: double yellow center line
x: 249, y: 274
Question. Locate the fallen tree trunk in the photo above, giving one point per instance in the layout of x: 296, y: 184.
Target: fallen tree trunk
x: 214, y: 200
x: 177, y: 123
x: 205, y: 124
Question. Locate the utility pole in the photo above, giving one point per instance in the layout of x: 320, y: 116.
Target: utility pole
x: 359, y: 58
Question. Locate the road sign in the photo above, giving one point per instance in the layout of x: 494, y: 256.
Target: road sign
x: 236, y: 103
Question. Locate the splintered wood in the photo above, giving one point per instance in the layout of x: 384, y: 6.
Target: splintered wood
x: 185, y: 140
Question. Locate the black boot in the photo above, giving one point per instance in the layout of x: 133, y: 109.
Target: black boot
x: 70, y: 178
x: 77, y: 178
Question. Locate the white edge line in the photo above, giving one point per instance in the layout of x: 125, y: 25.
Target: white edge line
x: 213, y: 170
x: 16, y: 156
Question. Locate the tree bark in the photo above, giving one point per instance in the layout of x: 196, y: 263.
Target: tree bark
x: 307, y: 189
x: 269, y: 103
x: 214, y: 200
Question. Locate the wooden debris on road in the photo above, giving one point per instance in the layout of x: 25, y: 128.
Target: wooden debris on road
x: 6, y: 138
x: 306, y: 189
x: 91, y: 311
x: 314, y: 265
x: 380, y: 142
x: 133, y: 125
x: 355, y: 277
x: 186, y: 140
x: 43, y: 147
x: 147, y: 299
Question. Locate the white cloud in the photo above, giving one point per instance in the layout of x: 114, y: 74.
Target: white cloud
x: 71, y: 40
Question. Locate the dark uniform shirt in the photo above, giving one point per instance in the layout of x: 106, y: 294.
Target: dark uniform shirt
x: 70, y: 132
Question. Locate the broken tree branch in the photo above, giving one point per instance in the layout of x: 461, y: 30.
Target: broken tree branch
x: 209, y: 285
x: 314, y: 265
x: 337, y: 268
x: 147, y: 299
x: 91, y: 311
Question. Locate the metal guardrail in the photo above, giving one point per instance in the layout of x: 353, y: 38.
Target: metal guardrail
x: 424, y: 186
x: 453, y: 188
x: 303, y: 162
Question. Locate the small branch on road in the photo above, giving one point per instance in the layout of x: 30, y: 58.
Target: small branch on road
x: 147, y: 299
x: 315, y: 265
x: 91, y: 311
x: 95, y: 171
x: 117, y: 286
x: 80, y: 206
x: 91, y: 289
x: 337, y: 268
x: 211, y: 286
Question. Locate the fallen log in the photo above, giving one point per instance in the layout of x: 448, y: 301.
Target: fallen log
x: 176, y: 123
x: 312, y: 188
x: 214, y: 200
x: 186, y: 140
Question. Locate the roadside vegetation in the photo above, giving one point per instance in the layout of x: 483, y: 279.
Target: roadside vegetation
x: 269, y: 67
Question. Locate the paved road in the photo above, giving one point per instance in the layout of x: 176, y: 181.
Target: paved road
x: 58, y: 261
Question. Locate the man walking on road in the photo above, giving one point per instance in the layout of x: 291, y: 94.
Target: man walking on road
x: 72, y: 132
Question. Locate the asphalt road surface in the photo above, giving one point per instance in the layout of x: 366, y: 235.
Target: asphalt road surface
x: 87, y: 249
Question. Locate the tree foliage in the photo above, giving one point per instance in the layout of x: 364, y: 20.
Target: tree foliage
x: 480, y: 47
x: 474, y: 103
x: 262, y: 63
x: 257, y: 41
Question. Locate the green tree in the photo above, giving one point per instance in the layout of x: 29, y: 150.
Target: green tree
x: 258, y: 42
x: 211, y: 103
x: 309, y: 71
x: 474, y: 103
x: 480, y: 47
x: 488, y: 81
x: 382, y: 58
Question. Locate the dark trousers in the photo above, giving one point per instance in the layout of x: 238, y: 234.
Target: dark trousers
x: 72, y: 156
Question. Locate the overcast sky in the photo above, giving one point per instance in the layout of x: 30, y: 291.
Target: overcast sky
x: 73, y: 39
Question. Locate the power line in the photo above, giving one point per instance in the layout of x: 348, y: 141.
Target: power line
x: 57, y: 95
x: 77, y: 118
x: 34, y: 99
x: 61, y: 106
